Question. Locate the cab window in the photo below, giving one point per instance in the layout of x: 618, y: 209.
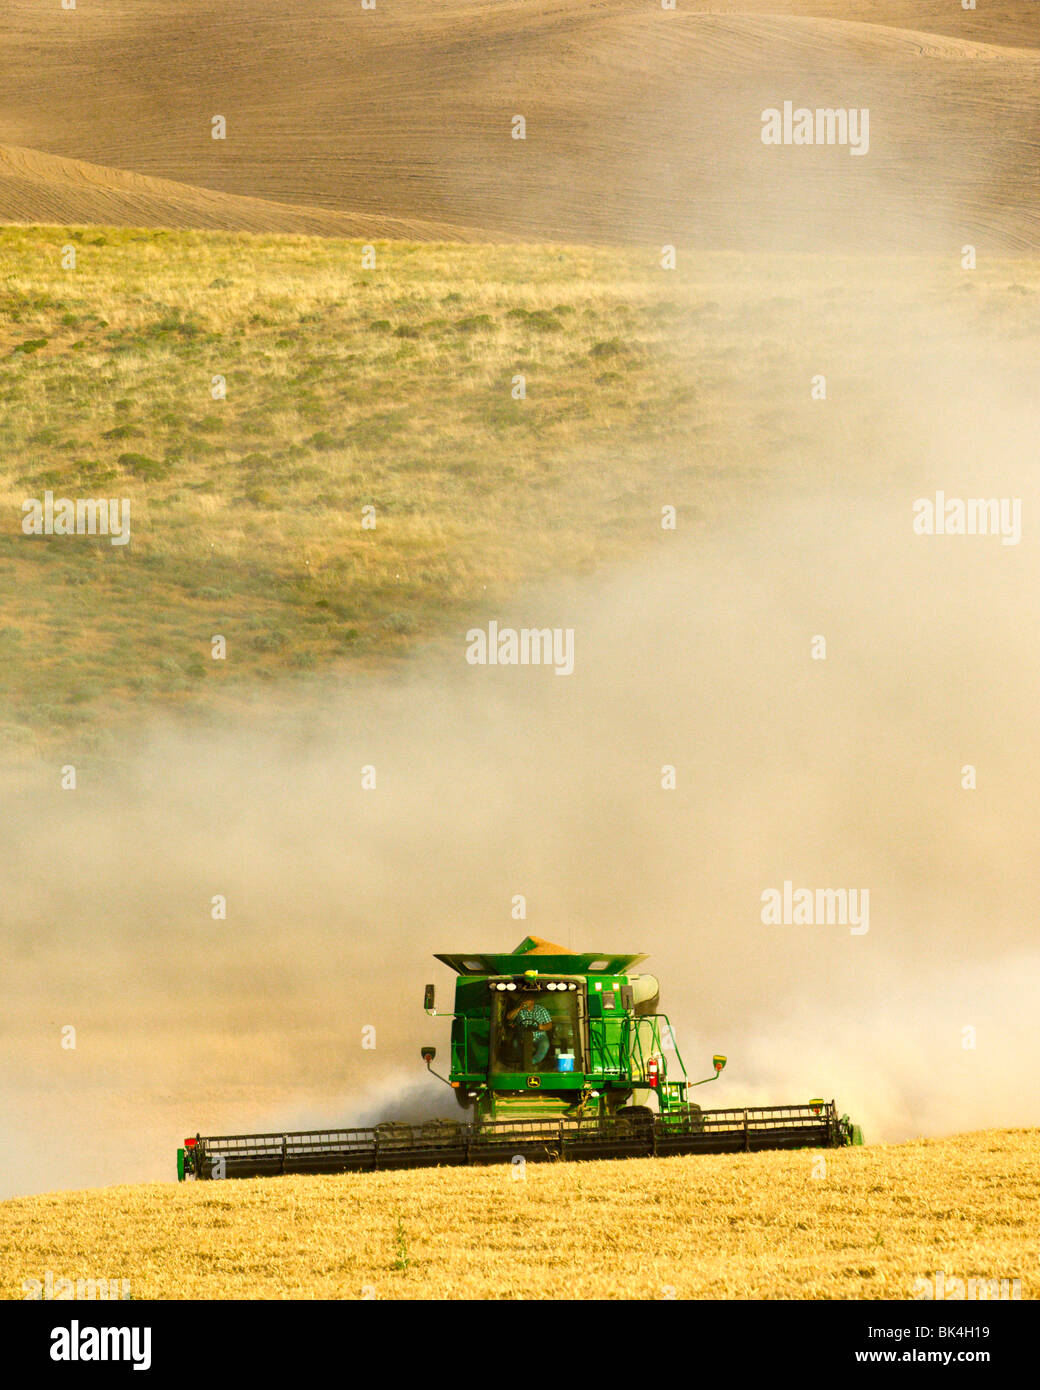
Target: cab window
x: 513, y: 1045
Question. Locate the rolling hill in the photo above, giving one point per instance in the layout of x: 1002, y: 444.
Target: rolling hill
x: 50, y: 189
x: 642, y: 125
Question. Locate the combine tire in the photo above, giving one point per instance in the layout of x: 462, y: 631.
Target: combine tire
x: 638, y: 1120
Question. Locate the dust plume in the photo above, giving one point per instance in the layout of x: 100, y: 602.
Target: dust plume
x: 495, y: 781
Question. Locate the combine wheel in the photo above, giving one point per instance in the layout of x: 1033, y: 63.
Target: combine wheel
x: 441, y: 1129
x: 637, y: 1119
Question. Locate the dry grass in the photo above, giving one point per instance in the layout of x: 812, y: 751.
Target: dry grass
x: 390, y: 387
x: 746, y: 1226
x: 393, y: 387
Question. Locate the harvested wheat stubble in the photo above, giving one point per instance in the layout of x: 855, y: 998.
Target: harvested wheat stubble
x: 853, y: 1224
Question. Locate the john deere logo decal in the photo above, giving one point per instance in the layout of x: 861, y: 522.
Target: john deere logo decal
x: 534, y: 1081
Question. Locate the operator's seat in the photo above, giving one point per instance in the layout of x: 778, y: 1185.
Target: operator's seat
x: 520, y: 1047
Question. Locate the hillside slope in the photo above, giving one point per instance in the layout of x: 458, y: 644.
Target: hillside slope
x: 643, y: 125
x: 393, y: 387
x: 50, y: 189
x: 859, y: 1223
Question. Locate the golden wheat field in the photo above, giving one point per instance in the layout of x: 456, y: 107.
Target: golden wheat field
x: 850, y: 1224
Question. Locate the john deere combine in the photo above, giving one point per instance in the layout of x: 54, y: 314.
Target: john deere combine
x: 555, y: 1056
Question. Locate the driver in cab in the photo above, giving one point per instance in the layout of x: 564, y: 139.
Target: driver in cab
x: 530, y: 1014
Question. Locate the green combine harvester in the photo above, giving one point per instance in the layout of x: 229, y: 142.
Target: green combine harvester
x: 555, y: 1056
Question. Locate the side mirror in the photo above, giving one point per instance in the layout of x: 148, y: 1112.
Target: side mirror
x: 718, y: 1062
x: 428, y: 998
x: 428, y: 1054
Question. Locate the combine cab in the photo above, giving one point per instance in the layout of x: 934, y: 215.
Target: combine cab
x: 553, y: 1056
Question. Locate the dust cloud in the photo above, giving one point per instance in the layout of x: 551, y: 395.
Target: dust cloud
x: 494, y: 781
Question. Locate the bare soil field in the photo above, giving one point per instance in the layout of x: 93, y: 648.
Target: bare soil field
x: 37, y: 187
x: 642, y: 125
x: 877, y: 1222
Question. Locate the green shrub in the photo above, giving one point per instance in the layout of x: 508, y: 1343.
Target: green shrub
x: 141, y: 466
x: 474, y: 323
x: 124, y: 432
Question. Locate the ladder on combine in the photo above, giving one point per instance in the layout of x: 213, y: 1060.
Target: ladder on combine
x: 643, y: 1045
